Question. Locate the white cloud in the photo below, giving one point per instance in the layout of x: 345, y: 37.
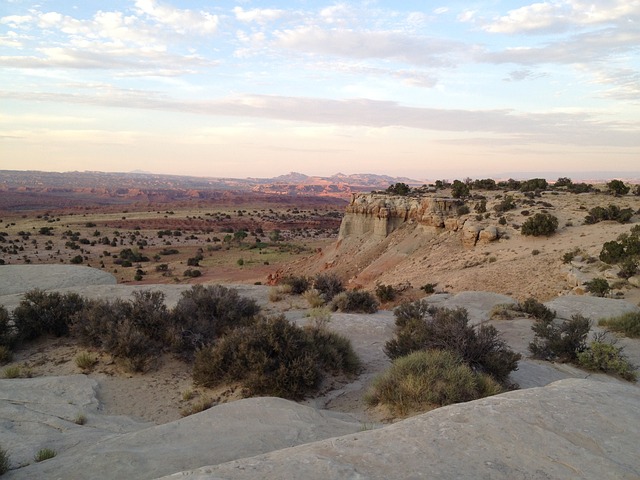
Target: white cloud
x: 555, y: 128
x: 561, y: 15
x: 181, y: 21
x: 258, y: 15
x: 387, y: 45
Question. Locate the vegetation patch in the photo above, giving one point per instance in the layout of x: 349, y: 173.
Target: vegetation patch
x: 355, y: 301
x: 627, y: 324
x: 606, y: 357
x: 561, y: 341
x: 540, y: 224
x: 44, y: 454
x: 274, y: 357
x: 424, y: 327
x: 4, y: 461
x: 424, y: 380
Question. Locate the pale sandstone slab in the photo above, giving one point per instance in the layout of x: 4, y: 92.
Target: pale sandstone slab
x: 567, y: 430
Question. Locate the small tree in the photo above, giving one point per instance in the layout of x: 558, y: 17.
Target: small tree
x: 562, y: 341
x: 459, y: 189
x: 617, y: 187
x: 540, y: 224
x: 399, y: 189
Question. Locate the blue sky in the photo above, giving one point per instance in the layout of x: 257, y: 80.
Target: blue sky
x: 246, y: 88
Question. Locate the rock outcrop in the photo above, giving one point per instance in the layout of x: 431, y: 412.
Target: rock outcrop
x: 378, y: 215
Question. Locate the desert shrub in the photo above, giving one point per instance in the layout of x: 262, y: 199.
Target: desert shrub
x: 5, y: 355
x: 355, y: 301
x: 429, y: 288
x: 628, y: 268
x: 199, y: 406
x: 463, y: 210
x: 319, y: 317
x: 85, y: 360
x: 7, y: 329
x: 567, y: 257
x: 540, y: 224
x: 76, y: 260
x: 192, y: 273
x: 480, y: 207
x: 41, y: 313
x: 534, y: 184
x: 4, y: 461
x: 617, y: 187
x: 535, y: 309
x: 386, y: 293
x: 44, y: 454
x: 560, y: 340
x: 275, y: 295
x: 598, y: 286
x: 313, y: 297
x: 612, y: 212
x: 298, y: 283
x: 14, y: 371
x: 608, y: 358
x: 505, y: 204
x: 423, y: 327
x: 398, y: 189
x: 80, y: 419
x: 272, y: 357
x: 459, y: 189
x: 134, y: 331
x: 329, y: 285
x: 203, y: 313
x: 627, y: 324
x: 425, y: 380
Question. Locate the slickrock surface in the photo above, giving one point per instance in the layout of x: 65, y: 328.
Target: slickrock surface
x: 21, y: 278
x: 570, y: 429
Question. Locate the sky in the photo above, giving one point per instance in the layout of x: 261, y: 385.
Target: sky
x: 257, y: 89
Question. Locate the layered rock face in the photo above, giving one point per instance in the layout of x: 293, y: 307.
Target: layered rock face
x: 379, y: 214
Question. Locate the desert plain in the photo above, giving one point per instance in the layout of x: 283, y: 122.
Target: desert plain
x: 474, y: 259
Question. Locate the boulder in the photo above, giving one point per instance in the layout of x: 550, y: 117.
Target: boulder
x: 489, y: 234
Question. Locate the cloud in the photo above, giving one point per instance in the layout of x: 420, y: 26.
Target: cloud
x: 525, y: 74
x: 258, y: 15
x: 559, y: 16
x: 588, y: 47
x: 410, y: 49
x: 181, y: 21
x: 524, y: 128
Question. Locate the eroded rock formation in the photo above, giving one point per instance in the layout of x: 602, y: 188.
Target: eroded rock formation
x: 378, y: 215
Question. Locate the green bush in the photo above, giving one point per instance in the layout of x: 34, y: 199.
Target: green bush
x: 386, y: 293
x: 298, y: 284
x: 44, y: 454
x: 459, y: 189
x: 628, y: 324
x: 274, y: 357
x: 135, y: 331
x: 598, y: 286
x: 608, y: 358
x: 41, y: 313
x: 7, y: 330
x: 540, y: 224
x: 424, y: 327
x: 535, y: 309
x: 355, y: 301
x: 425, y: 380
x: 429, y: 288
x: 203, y: 313
x: 562, y: 341
x: 505, y: 204
x: 617, y: 187
x: 329, y: 285
x: 613, y: 212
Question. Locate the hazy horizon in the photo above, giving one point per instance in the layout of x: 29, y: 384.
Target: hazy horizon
x: 259, y: 89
